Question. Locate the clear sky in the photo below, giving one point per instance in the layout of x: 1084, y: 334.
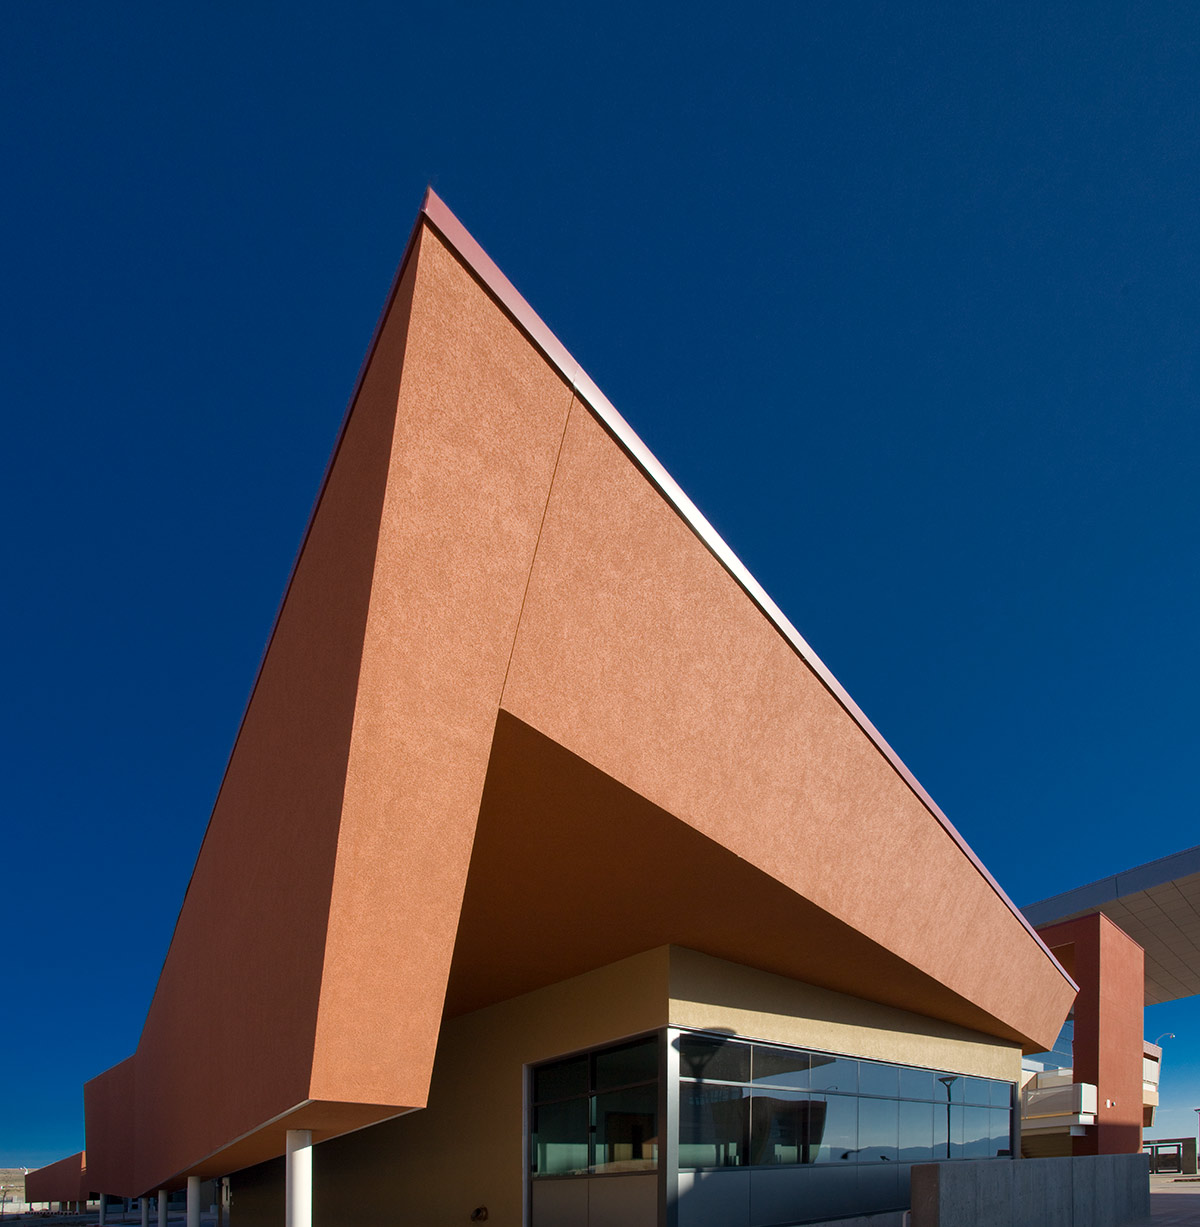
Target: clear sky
x: 905, y: 296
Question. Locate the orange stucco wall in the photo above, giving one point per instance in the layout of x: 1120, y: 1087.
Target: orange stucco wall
x: 478, y: 424
x: 64, y: 1180
x: 110, y: 1111
x: 1110, y: 968
x: 494, y: 608
x: 639, y: 653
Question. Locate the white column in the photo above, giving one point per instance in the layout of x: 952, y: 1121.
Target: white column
x: 298, y: 1211
x: 193, y: 1201
x: 145, y: 1204
x: 162, y: 1207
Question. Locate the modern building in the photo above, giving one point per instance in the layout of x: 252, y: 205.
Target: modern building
x: 553, y: 879
x: 1099, y: 1085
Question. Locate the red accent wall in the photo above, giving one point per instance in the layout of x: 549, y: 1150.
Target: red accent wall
x: 1108, y: 966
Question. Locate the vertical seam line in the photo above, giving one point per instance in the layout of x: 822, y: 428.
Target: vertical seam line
x: 537, y: 544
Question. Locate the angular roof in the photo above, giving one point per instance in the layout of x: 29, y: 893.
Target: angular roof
x: 1158, y: 905
x: 523, y: 713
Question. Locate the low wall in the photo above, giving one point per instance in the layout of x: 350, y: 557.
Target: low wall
x: 1090, y: 1191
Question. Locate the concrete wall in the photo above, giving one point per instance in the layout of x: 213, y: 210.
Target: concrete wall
x: 1087, y: 1191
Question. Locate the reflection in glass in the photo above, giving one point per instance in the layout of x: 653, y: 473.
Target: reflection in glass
x: 840, y: 1140
x: 918, y: 1084
x: 714, y: 1125
x: 629, y: 1063
x: 792, y: 1127
x: 878, y: 1130
x: 834, y: 1074
x: 1000, y: 1131
x: 560, y: 1138
x: 626, y: 1137
x: 916, y: 1132
x: 976, y: 1090
x: 786, y: 1127
x: 877, y: 1079
x: 560, y: 1080
x: 713, y: 1060
x: 1000, y: 1095
x: 781, y: 1066
x: 977, y: 1126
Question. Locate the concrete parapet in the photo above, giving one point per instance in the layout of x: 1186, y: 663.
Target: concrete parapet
x: 1086, y: 1191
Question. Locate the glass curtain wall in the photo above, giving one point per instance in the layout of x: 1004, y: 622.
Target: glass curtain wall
x: 596, y: 1114
x: 744, y: 1104
x: 818, y: 1133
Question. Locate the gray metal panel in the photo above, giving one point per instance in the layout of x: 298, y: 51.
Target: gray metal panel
x: 795, y: 1194
x: 714, y: 1199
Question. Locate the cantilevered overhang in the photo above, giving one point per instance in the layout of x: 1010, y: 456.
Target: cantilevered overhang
x: 523, y: 711
x: 1158, y: 905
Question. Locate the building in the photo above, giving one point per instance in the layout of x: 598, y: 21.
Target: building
x: 1102, y: 1073
x: 553, y: 878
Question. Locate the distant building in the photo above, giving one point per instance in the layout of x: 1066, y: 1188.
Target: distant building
x: 553, y: 878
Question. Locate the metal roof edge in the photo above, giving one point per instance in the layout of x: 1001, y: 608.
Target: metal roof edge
x: 1093, y: 895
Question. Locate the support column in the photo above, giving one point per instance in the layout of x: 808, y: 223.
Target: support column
x: 145, y: 1207
x: 193, y: 1201
x: 162, y: 1207
x: 298, y: 1204
x: 103, y: 1208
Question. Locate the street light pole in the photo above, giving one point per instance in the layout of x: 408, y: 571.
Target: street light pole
x: 946, y: 1081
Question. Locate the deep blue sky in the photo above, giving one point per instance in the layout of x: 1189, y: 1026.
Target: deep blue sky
x: 907, y: 298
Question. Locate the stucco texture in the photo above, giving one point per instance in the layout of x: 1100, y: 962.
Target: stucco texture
x: 515, y: 722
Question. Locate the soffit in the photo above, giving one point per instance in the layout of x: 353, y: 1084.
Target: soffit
x: 571, y: 870
x: 1156, y: 904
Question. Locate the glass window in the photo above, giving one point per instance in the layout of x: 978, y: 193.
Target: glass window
x: 560, y: 1138
x: 949, y: 1088
x: 834, y: 1074
x: 561, y: 1080
x: 839, y: 1135
x: 714, y: 1125
x: 916, y: 1132
x: 1000, y: 1094
x: 782, y: 1066
x: 976, y: 1090
x: 792, y: 1127
x: 947, y: 1131
x: 626, y: 1130
x: 878, y: 1129
x: 629, y: 1063
x: 977, y: 1125
x: 713, y: 1060
x: 1000, y: 1133
x: 877, y: 1079
x: 786, y: 1127
x: 918, y: 1084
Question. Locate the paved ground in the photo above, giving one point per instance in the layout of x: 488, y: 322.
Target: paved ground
x: 1174, y: 1202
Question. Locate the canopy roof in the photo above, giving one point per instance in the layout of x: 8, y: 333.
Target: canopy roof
x: 1158, y: 905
